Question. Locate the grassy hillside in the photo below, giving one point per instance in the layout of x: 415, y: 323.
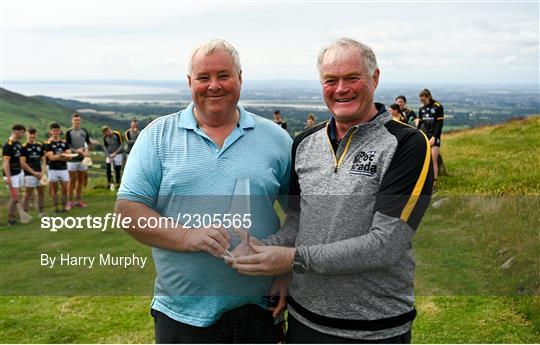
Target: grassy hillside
x: 16, y: 108
x: 39, y: 112
x: 495, y: 160
x: 477, y: 249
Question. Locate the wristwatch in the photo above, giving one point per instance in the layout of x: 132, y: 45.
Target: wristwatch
x: 298, y: 265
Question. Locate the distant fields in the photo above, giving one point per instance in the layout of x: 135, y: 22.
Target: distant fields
x: 484, y: 216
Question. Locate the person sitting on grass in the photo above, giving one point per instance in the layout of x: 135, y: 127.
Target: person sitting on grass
x: 396, y: 113
x: 409, y: 114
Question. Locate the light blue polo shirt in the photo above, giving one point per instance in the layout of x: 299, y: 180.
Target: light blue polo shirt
x: 174, y: 167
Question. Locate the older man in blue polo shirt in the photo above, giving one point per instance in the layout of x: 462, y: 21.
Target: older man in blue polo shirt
x: 186, y: 166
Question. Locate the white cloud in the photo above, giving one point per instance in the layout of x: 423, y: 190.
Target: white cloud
x: 508, y: 59
x: 57, y: 39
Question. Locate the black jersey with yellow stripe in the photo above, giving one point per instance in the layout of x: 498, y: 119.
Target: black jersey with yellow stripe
x: 410, y: 115
x: 431, y: 117
x: 56, y: 147
x: 13, y: 150
x: 33, y: 153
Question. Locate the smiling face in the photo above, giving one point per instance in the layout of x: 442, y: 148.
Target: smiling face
x: 347, y: 87
x: 394, y: 113
x: 401, y: 103
x: 215, y: 84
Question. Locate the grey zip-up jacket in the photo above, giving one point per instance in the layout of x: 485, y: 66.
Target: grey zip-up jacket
x: 352, y: 215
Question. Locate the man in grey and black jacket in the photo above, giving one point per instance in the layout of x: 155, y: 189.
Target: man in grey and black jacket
x: 360, y: 185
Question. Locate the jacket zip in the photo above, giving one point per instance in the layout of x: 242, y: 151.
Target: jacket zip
x: 338, y: 162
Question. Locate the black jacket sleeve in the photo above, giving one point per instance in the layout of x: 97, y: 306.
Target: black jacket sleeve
x: 87, y: 137
x: 406, y: 188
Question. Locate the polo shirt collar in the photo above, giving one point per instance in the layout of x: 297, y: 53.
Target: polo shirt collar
x: 187, y: 118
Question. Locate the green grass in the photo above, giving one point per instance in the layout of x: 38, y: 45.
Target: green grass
x: 488, y: 215
x: 76, y: 320
x: 493, y: 160
x: 473, y: 319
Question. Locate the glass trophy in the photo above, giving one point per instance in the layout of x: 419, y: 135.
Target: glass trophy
x: 240, y: 206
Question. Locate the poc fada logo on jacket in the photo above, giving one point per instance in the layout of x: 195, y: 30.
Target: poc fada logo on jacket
x: 363, y: 164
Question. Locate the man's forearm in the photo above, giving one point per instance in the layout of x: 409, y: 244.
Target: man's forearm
x: 5, y: 166
x: 384, y: 243
x: 119, y: 150
x: 166, y: 238
x: 53, y: 157
x: 286, y: 236
x: 27, y: 167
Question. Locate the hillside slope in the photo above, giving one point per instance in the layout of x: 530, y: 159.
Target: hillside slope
x: 39, y: 112
x: 17, y: 108
x: 493, y: 160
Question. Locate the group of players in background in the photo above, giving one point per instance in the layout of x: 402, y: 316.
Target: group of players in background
x: 61, y: 163
x: 66, y: 160
x: 429, y: 120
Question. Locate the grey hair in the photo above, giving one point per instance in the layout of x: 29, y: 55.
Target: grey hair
x: 211, y: 46
x: 341, y: 44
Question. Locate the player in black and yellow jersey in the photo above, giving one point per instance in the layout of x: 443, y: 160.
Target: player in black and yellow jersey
x: 431, y: 122
x: 57, y: 152
x: 114, y: 148
x: 409, y: 114
x: 131, y: 135
x: 396, y: 113
x: 32, y: 162
x: 13, y: 174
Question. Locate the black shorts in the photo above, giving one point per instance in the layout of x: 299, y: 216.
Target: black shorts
x: 247, y: 324
x: 437, y: 142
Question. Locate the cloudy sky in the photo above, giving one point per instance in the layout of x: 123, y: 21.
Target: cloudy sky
x: 414, y: 41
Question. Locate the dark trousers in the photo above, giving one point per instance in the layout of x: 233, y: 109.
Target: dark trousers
x: 298, y: 333
x: 247, y: 324
x: 117, y: 173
